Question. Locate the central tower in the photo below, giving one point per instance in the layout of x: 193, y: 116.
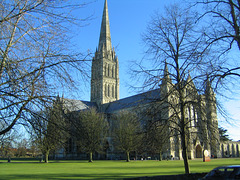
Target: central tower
x: 105, y: 69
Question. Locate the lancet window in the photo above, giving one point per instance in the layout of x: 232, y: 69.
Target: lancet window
x: 113, y: 91
x: 113, y: 71
x: 108, y: 90
x: 105, y: 90
x: 108, y: 70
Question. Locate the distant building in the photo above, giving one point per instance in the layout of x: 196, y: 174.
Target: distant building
x: 203, y: 129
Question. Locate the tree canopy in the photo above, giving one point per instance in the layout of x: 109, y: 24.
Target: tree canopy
x: 127, y: 132
x: 91, y: 132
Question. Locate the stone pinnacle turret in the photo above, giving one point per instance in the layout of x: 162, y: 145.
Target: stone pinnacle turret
x: 166, y: 78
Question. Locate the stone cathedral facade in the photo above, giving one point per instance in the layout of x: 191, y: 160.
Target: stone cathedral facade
x: 105, y: 97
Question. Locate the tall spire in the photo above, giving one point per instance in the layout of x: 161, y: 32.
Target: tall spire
x: 105, y: 69
x: 105, y: 36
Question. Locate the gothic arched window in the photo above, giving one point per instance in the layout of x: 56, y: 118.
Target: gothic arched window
x: 105, y: 70
x: 113, y: 91
x: 113, y: 72
x: 106, y: 90
x: 108, y: 70
x: 116, y: 93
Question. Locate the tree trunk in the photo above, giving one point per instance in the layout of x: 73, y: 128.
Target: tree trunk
x: 235, y: 23
x: 128, y: 157
x: 136, y: 155
x: 184, y: 153
x: 90, y: 157
x: 183, y: 132
x: 160, y: 156
x: 46, y: 156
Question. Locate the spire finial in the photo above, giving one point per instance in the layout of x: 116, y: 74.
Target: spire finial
x: 166, y: 73
x: 105, y: 36
x: 209, y: 89
x: 166, y: 78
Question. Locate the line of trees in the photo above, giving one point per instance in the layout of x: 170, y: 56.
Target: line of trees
x: 22, y: 149
x: 90, y: 131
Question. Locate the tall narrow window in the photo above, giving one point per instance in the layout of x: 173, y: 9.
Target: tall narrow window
x: 110, y: 71
x: 106, y: 90
x: 113, y: 72
x: 105, y: 69
x: 113, y: 91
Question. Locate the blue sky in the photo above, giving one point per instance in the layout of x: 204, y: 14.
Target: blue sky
x: 128, y: 20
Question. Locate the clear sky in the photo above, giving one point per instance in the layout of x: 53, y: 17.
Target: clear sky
x: 128, y: 20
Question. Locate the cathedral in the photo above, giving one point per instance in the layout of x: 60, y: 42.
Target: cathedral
x: 105, y: 98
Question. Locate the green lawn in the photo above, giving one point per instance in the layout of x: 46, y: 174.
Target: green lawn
x: 102, y: 169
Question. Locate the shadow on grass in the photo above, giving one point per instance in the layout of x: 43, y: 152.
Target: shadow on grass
x: 106, y: 176
x: 192, y: 176
x: 42, y: 162
x: 73, y: 176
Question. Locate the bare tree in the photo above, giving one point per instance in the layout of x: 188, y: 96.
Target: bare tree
x: 91, y: 130
x: 223, y: 15
x: 172, y: 40
x: 221, y: 22
x: 127, y: 132
x: 7, y: 142
x: 35, y: 56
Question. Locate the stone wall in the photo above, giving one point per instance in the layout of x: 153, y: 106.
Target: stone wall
x: 230, y: 149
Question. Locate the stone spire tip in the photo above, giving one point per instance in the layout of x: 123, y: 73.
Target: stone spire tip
x: 105, y: 37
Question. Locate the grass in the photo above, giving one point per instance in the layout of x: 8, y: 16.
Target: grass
x: 102, y: 169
